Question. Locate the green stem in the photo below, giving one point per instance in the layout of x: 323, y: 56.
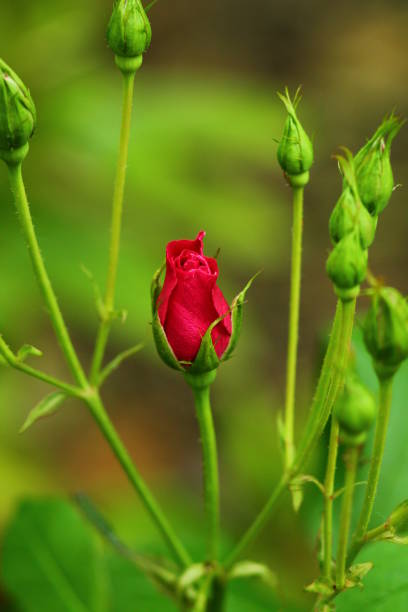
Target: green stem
x: 330, y: 382
x: 13, y: 362
x: 328, y: 499
x: 23, y: 209
x: 105, y: 425
x: 351, y: 462
x: 116, y: 227
x: 210, y: 467
x: 375, y: 466
x: 293, y: 335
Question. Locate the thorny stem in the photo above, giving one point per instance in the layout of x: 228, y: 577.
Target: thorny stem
x: 23, y: 209
x: 375, y: 466
x: 351, y: 462
x: 293, y: 335
x: 86, y: 391
x: 210, y: 467
x: 328, y: 499
x: 116, y: 228
x: 105, y: 425
x: 330, y: 383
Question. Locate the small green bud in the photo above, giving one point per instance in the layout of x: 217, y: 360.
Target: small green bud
x: 17, y: 112
x: 350, y: 214
x: 373, y: 167
x: 295, y: 151
x: 386, y: 330
x: 129, y: 32
x: 355, y: 411
x: 347, y: 265
x: 398, y: 519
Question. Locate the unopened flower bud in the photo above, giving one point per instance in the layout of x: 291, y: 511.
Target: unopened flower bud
x: 17, y: 113
x: 355, y: 411
x: 398, y: 519
x: 129, y: 32
x: 386, y: 330
x: 347, y: 265
x: 349, y: 215
x: 295, y: 151
x: 373, y: 167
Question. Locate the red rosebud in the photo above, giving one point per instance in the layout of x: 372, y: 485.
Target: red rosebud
x: 190, y: 300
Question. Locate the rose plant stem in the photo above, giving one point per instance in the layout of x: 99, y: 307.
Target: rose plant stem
x: 23, y: 210
x: 87, y: 392
x: 116, y: 228
x: 330, y: 383
x: 105, y: 425
x: 328, y: 499
x: 293, y: 334
x: 351, y: 462
x: 375, y: 465
x: 210, y: 467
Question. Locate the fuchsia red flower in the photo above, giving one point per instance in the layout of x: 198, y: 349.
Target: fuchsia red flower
x: 190, y: 300
x: 194, y: 327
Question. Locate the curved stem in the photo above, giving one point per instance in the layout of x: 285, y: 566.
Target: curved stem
x: 293, y: 335
x: 330, y: 383
x: 351, y: 462
x: 328, y: 499
x: 210, y: 467
x: 375, y: 466
x: 105, y: 425
x: 23, y: 209
x: 116, y: 227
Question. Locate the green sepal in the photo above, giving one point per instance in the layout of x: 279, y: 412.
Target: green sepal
x: 207, y: 359
x: 251, y: 569
x: 156, y: 287
x: 48, y: 406
x: 162, y: 345
x: 237, y: 313
x: 27, y: 350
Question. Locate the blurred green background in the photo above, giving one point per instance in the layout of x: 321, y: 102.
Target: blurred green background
x: 203, y: 156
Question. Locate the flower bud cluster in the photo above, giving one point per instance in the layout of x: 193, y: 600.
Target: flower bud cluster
x: 386, y: 330
x: 295, y: 151
x: 352, y: 230
x: 356, y: 411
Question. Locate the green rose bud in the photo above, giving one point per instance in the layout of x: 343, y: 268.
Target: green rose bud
x: 355, y: 411
x: 129, y: 32
x: 347, y: 265
x: 349, y: 214
x: 295, y: 151
x: 386, y: 330
x: 398, y: 519
x: 17, y: 113
x: 373, y: 167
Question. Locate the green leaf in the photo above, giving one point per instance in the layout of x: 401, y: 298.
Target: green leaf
x: 48, y: 406
x: 251, y: 569
x: 237, y: 314
x: 27, y: 351
x: 320, y: 587
x: 117, y: 361
x: 50, y: 560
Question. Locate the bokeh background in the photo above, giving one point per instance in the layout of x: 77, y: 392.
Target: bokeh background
x: 202, y: 156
